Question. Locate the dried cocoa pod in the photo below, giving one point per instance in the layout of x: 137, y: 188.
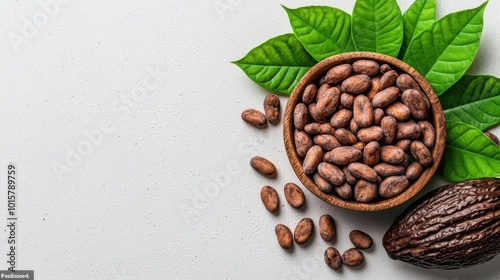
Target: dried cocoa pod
x: 353, y: 126
x: 374, y: 88
x: 353, y: 257
x: 338, y: 73
x: 272, y: 108
x: 331, y: 173
x: 421, y: 154
x: 327, y: 128
x: 378, y: 115
x: 392, y: 186
x: 356, y: 84
x: 341, y: 118
x: 332, y: 258
x: 392, y: 154
x: 414, y: 170
x: 389, y: 126
x: 366, y: 67
x: 263, y: 166
x: 365, y: 191
x: 327, y: 142
x: 386, y: 170
x: 270, y: 198
x: 414, y: 100
x: 388, y: 79
x: 322, y: 184
x: 492, y: 136
x: 404, y: 145
x: 300, y: 116
x: 428, y: 133
x: 328, y: 104
x: 363, y: 111
x: 294, y: 195
x: 344, y: 155
x: 385, y: 97
x: 399, y: 111
x: 405, y: 81
x: 362, y: 171
x: 313, y: 112
x: 348, y: 176
x: 372, y: 133
x: 327, y: 229
x: 303, y: 231
x: 284, y: 236
x: 313, y: 128
x: 312, y: 159
x: 371, y: 153
x: 345, y: 136
x: 347, y: 100
x: 344, y: 190
x: 360, y: 239
x: 303, y: 142
x: 254, y: 117
x: 384, y: 68
x: 309, y: 94
x: 408, y: 130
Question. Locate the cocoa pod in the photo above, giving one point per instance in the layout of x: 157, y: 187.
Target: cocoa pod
x: 371, y: 153
x: 363, y: 111
x: 303, y: 142
x: 392, y: 154
x: 356, y: 84
x: 327, y: 229
x: 493, y: 137
x: 327, y: 128
x: 428, y: 133
x: 300, y: 116
x: 294, y: 195
x: 309, y: 94
x: 374, y: 88
x: 414, y: 170
x: 353, y: 257
x: 263, y: 166
x: 392, y: 186
x: 303, y: 231
x: 332, y: 258
x: 331, y: 173
x: 341, y: 118
x: 365, y: 191
x: 389, y: 126
x: 366, y: 67
x: 344, y: 190
x: 421, y: 154
x: 284, y: 236
x: 347, y: 100
x: 254, y: 117
x: 312, y: 159
x: 362, y: 171
x: 322, y: 184
x: 408, y: 130
x: 414, y: 100
x: 343, y: 155
x: 399, y: 111
x: 385, y: 97
x: 348, y: 176
x: 313, y: 128
x: 372, y: 133
x: 388, y: 79
x: 326, y: 141
x: 360, y: 239
x: 386, y: 170
x: 345, y: 136
x: 378, y: 115
x: 405, y: 81
x: 328, y: 104
x: 272, y: 108
x: 270, y: 198
x: 338, y: 73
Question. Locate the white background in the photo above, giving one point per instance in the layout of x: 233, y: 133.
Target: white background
x: 116, y: 212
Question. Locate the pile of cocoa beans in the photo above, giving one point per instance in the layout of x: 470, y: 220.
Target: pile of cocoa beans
x: 364, y: 131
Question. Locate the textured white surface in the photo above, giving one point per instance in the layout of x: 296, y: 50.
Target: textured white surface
x: 180, y: 146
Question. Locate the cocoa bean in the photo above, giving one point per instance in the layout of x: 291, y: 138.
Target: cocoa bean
x: 327, y: 142
x: 386, y: 170
x: 284, y: 236
x: 331, y: 173
x: 347, y: 100
x: 300, y: 116
x: 341, y: 118
x: 414, y: 100
x: 312, y: 159
x: 421, y: 154
x: 344, y: 190
x: 263, y: 166
x: 388, y: 79
x: 353, y: 126
x: 327, y: 229
x: 294, y: 195
x: 270, y: 198
x: 366, y: 67
x: 428, y: 133
x: 405, y: 81
x: 313, y: 128
x: 303, y: 142
x: 254, y: 117
x: 371, y: 153
x: 392, y: 186
x: 356, y: 84
x: 378, y: 115
x: 384, y: 68
x: 392, y: 154
x: 363, y: 111
x: 343, y: 155
x: 372, y: 133
x: 348, y: 176
x: 365, y: 191
x: 332, y: 258
x: 327, y: 128
x: 345, y: 136
x: 404, y: 145
x: 385, y: 97
x: 322, y: 184
x: 362, y: 171
x: 303, y: 231
x: 399, y: 111
x: 338, y: 73
x: 272, y: 108
x: 323, y: 89
x: 360, y: 146
x: 313, y: 112
x: 309, y: 94
x: 353, y: 257
x: 408, y: 130
x: 389, y: 127
x: 374, y: 87
x: 328, y: 104
x: 360, y: 239
x: 414, y: 170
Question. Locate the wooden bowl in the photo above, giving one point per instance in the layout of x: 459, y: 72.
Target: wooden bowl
x: 313, y: 76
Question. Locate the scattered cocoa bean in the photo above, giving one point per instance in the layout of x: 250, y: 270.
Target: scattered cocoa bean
x: 272, y: 108
x: 353, y: 257
x: 332, y: 258
x: 254, y: 117
x: 360, y: 239
x: 263, y: 166
x: 270, y: 198
x: 327, y: 229
x: 303, y: 231
x: 284, y: 236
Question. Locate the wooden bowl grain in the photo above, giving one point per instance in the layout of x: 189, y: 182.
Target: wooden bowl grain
x: 313, y: 76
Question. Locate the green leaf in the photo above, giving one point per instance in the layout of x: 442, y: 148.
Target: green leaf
x: 323, y: 31
x: 469, y: 154
x: 278, y: 64
x: 377, y: 26
x: 443, y: 51
x: 419, y: 16
x: 474, y: 100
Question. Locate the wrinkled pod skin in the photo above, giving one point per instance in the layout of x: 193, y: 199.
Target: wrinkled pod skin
x: 455, y: 226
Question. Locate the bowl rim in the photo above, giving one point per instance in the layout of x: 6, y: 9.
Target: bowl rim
x: 312, y: 76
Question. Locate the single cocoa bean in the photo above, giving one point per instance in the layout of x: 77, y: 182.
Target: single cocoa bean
x: 263, y: 166
x: 413, y: 99
x: 303, y: 142
x: 378, y: 115
x: 421, y: 154
x: 322, y: 184
x: 353, y: 126
x: 428, y: 133
x: 300, y: 116
x: 332, y: 258
x: 254, y: 117
x: 328, y: 104
x: 362, y: 171
x: 322, y: 81
x: 313, y: 112
x: 385, y: 97
x: 404, y: 145
x: 384, y: 68
x: 270, y: 198
x: 294, y: 195
x: 493, y: 137
x: 353, y: 257
x: 313, y: 128
x: 344, y: 190
x: 331, y: 173
x: 323, y: 89
x: 392, y: 154
x: 309, y: 94
x: 414, y: 170
x: 371, y: 153
x: 363, y: 111
x: 388, y: 79
x: 348, y: 176
x: 312, y: 159
x: 356, y: 84
x: 386, y: 170
x: 327, y: 128
x: 303, y: 231
x: 347, y: 100
x: 326, y: 141
x: 327, y: 229
x: 373, y: 133
x: 343, y: 155
x: 389, y: 127
x: 345, y: 136
x: 408, y: 130
x: 405, y: 81
x: 366, y: 67
x: 374, y: 88
x: 338, y: 73
x: 365, y: 191
x: 426, y: 101
x: 284, y: 236
x: 399, y: 111
x: 406, y: 161
x: 341, y: 118
x: 272, y: 108
x: 360, y: 239
x: 392, y: 186
x: 360, y: 146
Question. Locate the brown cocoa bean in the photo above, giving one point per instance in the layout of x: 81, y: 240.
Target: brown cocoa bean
x: 303, y: 142
x: 263, y: 166
x: 426, y: 101
x: 327, y: 128
x: 303, y: 231
x: 331, y: 173
x: 405, y: 81
x: 404, y: 145
x: 386, y: 170
x: 322, y: 90
x: 338, y: 73
x: 322, y: 184
x: 313, y: 112
x: 385, y: 97
x: 371, y: 153
x: 348, y: 176
x: 362, y: 171
x: 413, y: 99
x: 406, y: 161
x: 343, y: 155
x: 341, y: 118
x: 344, y: 190
x: 353, y: 126
x: 365, y: 191
x: 328, y: 104
x: 327, y: 142
x: 360, y: 146
x: 388, y: 79
x: 254, y: 117
x: 378, y: 115
x: 392, y: 154
x: 384, y: 68
x: 392, y: 186
x: 272, y: 108
x: 408, y: 130
x: 322, y: 81
x: 421, y: 154
x: 294, y: 195
x: 373, y: 133
x: 327, y: 229
x: 414, y: 170
x: 353, y: 257
x: 360, y: 239
x: 347, y: 100
x: 345, y: 136
x: 399, y: 111
x: 374, y: 88
x: 356, y: 84
x: 312, y: 159
x: 363, y: 111
x: 300, y: 116
x: 284, y: 236
x: 332, y: 258
x: 389, y: 126
x: 309, y: 94
x: 366, y: 67
x: 313, y: 128
x: 492, y: 136
x: 428, y: 133
x: 270, y: 198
